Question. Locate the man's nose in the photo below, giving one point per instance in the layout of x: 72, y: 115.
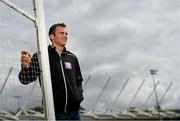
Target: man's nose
x: 65, y: 33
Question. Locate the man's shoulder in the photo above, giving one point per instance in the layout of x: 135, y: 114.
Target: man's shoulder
x: 70, y: 54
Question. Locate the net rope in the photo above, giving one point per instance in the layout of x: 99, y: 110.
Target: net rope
x: 17, y: 33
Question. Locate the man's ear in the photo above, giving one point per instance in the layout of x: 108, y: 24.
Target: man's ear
x: 51, y: 36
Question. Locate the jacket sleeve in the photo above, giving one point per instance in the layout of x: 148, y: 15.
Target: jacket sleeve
x: 28, y: 75
x: 79, y: 77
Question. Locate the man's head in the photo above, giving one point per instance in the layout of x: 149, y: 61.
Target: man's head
x: 58, y: 34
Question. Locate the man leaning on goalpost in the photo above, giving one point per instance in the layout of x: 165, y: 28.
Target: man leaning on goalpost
x: 65, y: 74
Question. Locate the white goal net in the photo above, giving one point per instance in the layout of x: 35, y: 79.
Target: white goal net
x: 18, y: 33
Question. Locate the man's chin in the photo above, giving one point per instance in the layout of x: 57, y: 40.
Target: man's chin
x: 63, y: 45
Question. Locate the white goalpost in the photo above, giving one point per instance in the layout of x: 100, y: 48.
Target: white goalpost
x: 45, y: 78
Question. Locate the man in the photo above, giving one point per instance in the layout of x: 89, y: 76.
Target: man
x: 65, y: 74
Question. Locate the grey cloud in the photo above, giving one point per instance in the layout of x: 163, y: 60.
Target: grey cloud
x: 118, y: 38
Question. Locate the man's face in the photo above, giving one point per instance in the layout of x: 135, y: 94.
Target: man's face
x: 60, y: 36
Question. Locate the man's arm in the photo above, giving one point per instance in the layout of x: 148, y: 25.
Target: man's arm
x: 29, y: 68
x: 79, y: 79
x: 78, y: 74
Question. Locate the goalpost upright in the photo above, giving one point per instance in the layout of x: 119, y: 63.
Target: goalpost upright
x: 39, y: 22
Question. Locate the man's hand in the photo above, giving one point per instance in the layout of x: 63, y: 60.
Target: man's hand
x: 25, y: 59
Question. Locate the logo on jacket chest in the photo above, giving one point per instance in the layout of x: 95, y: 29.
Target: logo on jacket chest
x: 68, y: 65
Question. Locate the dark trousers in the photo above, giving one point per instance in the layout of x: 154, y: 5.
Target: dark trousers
x: 73, y: 115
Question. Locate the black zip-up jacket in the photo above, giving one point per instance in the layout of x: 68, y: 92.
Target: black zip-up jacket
x: 73, y: 79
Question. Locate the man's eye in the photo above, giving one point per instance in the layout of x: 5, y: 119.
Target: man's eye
x: 64, y: 33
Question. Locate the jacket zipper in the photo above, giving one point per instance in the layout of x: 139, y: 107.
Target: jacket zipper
x: 65, y: 85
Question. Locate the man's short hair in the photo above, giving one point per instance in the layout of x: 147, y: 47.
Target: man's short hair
x: 53, y: 27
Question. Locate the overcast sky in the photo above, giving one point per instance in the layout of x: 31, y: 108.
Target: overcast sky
x: 122, y: 39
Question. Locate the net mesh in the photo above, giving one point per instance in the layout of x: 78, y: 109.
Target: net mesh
x: 17, y: 33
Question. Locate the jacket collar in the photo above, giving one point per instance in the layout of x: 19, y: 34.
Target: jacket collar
x: 54, y: 48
